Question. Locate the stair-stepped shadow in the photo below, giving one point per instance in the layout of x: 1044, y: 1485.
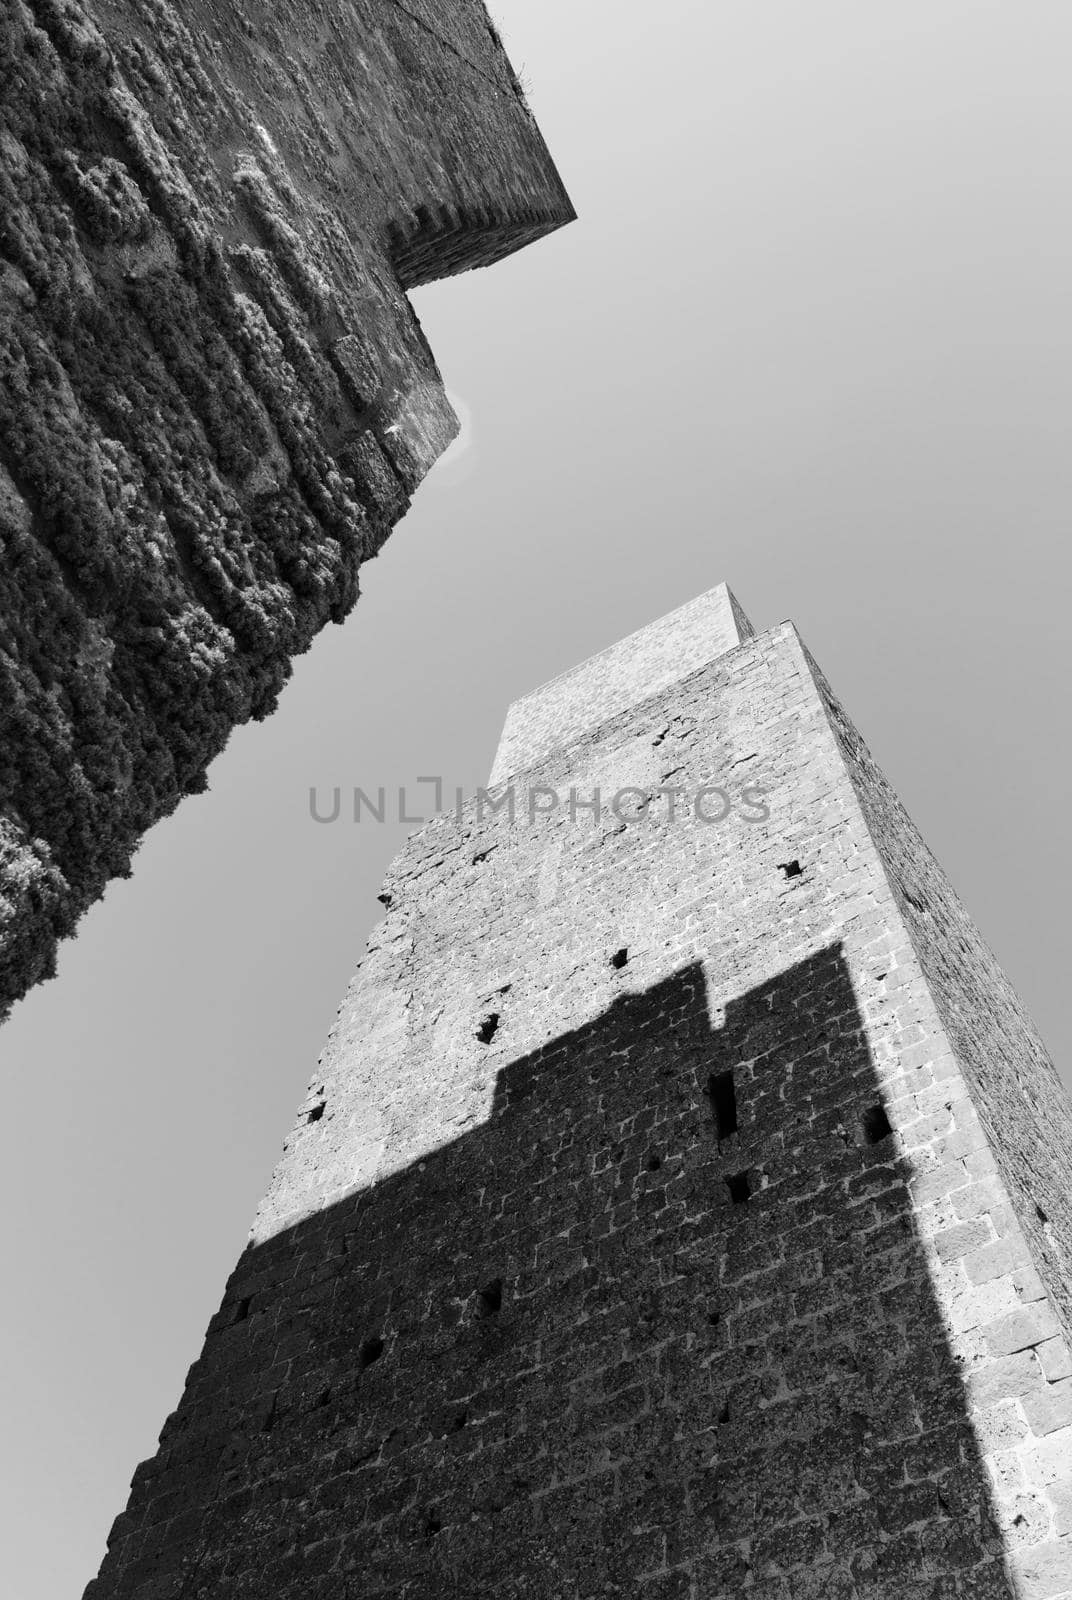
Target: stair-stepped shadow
x: 663, y: 1326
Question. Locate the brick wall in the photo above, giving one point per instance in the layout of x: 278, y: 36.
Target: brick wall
x: 215, y: 400
x: 535, y: 1306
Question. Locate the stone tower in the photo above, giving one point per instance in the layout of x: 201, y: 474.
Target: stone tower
x: 681, y: 1206
x: 215, y: 397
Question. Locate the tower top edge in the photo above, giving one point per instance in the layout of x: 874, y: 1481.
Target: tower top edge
x: 623, y: 674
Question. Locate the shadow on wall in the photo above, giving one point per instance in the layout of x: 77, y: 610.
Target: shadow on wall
x: 663, y: 1326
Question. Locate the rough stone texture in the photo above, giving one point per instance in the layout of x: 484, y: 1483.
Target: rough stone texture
x: 215, y: 399
x: 1019, y: 1097
x: 506, y: 1326
x: 557, y: 713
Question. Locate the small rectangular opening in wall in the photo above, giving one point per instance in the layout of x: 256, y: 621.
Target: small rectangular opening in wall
x: 740, y: 1187
x: 489, y: 1299
x: 370, y: 1351
x: 723, y: 1097
x: 488, y: 1028
x: 876, y: 1125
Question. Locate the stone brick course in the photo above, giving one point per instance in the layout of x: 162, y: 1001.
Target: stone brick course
x: 535, y: 1305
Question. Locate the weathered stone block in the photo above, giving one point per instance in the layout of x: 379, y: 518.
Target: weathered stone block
x: 1043, y: 1570
x: 1005, y: 1379
x: 963, y: 1240
x: 1051, y: 1408
x: 1054, y: 1359
x: 996, y: 1260
x: 1060, y: 1496
x: 1021, y: 1329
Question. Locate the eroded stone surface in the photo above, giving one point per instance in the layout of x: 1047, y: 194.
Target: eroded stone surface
x: 215, y: 399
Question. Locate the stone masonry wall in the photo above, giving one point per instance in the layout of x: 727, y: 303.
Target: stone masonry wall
x: 536, y: 1306
x: 215, y: 399
x: 1015, y: 1087
x: 555, y: 715
x: 1012, y: 1279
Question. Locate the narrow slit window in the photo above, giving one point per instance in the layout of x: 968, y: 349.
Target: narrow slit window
x: 488, y: 1028
x: 723, y: 1094
x: 740, y: 1187
x: 370, y: 1351
x: 876, y: 1125
x: 489, y: 1298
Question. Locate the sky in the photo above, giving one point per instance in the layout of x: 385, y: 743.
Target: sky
x: 810, y: 335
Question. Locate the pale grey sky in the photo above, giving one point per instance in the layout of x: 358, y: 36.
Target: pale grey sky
x: 811, y: 335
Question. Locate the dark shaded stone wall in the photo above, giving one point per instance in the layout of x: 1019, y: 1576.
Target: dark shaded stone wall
x: 505, y: 1325
x: 1020, y: 1098
x: 557, y: 1358
x: 215, y: 399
